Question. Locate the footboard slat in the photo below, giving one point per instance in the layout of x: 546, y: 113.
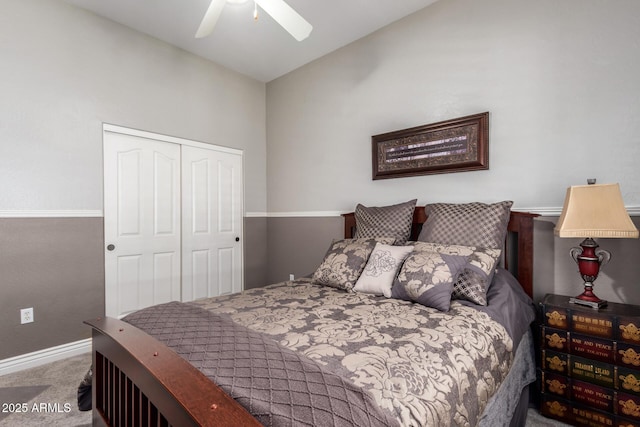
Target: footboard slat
x: 140, y: 382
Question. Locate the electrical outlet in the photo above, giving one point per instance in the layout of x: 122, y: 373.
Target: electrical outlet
x: 291, y: 277
x: 26, y: 315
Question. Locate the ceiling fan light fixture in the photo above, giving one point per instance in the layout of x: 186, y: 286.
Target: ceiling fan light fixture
x: 210, y: 18
x: 287, y: 17
x: 279, y: 10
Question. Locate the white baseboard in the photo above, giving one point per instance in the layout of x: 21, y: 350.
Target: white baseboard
x: 41, y: 357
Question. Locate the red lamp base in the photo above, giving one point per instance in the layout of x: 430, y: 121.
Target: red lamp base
x: 589, y: 259
x: 589, y: 299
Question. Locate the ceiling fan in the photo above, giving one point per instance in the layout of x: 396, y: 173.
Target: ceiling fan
x: 280, y: 11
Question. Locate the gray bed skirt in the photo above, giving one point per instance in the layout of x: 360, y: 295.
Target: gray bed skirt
x: 508, y: 407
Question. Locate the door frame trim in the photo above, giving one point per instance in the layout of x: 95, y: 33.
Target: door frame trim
x: 106, y: 127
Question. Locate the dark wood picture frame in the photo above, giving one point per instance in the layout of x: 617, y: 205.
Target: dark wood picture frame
x: 455, y: 145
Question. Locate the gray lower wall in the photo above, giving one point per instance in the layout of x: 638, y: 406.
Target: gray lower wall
x: 255, y: 252
x: 297, y: 245
x: 56, y: 266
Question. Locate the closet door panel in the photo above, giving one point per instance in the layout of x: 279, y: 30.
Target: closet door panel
x: 211, y: 222
x: 142, y: 222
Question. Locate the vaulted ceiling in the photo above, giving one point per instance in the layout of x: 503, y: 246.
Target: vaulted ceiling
x: 260, y: 48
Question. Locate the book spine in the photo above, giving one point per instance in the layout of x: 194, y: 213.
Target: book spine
x: 628, y: 406
x: 628, y: 355
x: 628, y: 329
x: 578, y: 344
x: 593, y: 348
x: 593, y: 396
x: 556, y: 317
x: 555, y: 384
x: 625, y: 422
x: 556, y: 362
x: 593, y: 324
x: 603, y: 325
x: 628, y: 380
x: 579, y: 414
x: 593, y: 371
x: 574, y: 414
x: 598, y: 324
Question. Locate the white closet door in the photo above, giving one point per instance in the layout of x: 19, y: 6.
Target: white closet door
x: 211, y: 222
x: 142, y: 222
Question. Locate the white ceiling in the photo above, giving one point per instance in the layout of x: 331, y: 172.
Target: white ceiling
x: 261, y: 49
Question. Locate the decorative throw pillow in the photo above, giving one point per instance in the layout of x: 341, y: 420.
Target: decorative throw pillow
x: 469, y: 224
x: 382, y: 267
x: 344, y: 262
x: 427, y: 278
x: 386, y: 221
x: 474, y: 279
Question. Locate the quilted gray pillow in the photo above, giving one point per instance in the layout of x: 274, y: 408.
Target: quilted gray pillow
x: 427, y: 278
x: 469, y: 224
x: 386, y: 221
x: 474, y: 279
x: 344, y: 262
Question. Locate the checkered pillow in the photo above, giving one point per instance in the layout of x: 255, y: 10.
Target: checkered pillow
x: 469, y: 224
x: 387, y: 221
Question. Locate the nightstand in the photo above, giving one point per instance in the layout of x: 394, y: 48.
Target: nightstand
x: 589, y: 363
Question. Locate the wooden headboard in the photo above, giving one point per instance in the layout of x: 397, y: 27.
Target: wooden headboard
x: 518, y: 257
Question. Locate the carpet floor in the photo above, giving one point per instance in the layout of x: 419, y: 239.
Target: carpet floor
x: 45, y: 395
x: 48, y: 396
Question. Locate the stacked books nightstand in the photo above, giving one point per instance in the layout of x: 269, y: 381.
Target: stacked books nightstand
x: 589, y: 363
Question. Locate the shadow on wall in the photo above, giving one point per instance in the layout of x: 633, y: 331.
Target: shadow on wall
x: 556, y: 272
x: 543, y: 257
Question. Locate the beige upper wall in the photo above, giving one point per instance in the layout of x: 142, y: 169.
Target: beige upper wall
x: 66, y: 71
x: 559, y: 78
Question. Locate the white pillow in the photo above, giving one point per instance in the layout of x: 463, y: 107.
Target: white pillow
x: 381, y: 269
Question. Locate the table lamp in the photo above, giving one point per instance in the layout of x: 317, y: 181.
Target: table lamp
x: 594, y: 210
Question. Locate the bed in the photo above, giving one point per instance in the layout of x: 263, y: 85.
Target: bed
x: 307, y: 353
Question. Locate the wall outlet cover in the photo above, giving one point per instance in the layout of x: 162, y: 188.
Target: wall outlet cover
x: 26, y: 315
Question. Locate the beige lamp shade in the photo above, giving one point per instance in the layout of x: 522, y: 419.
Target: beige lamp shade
x: 595, y: 210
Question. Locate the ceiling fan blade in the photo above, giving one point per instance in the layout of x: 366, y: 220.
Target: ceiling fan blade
x: 210, y: 18
x: 284, y: 15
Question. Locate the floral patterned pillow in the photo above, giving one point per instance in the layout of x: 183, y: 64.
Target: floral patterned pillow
x: 344, y: 262
x: 427, y: 277
x: 382, y: 267
x: 474, y: 280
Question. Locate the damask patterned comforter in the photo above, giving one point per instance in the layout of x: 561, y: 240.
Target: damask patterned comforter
x: 424, y: 366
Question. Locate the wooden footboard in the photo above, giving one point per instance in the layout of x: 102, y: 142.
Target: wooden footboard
x: 138, y: 381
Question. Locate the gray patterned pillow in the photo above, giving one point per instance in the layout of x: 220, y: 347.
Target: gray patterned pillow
x: 386, y: 221
x: 469, y: 224
x: 474, y: 279
x: 381, y: 269
x: 427, y: 277
x: 344, y: 262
